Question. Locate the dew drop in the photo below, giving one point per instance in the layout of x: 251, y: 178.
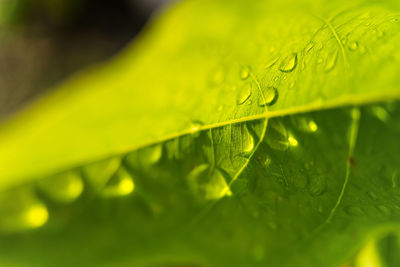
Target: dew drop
x: 36, y: 215
x: 331, y: 62
x: 195, y: 126
x: 289, y: 63
x: 151, y: 155
x: 277, y: 136
x: 312, y: 126
x: 21, y: 211
x: 304, y: 124
x: 244, y: 94
x: 317, y: 185
x: 99, y: 173
x: 244, y: 73
x: 208, y: 183
x: 120, y: 184
x: 354, y: 211
x: 292, y: 140
x: 267, y: 161
x: 220, y: 108
x: 268, y: 97
x: 64, y: 187
x: 380, y: 113
x: 271, y: 62
x: 247, y: 140
x: 353, y: 46
x: 309, y: 47
x: 320, y: 60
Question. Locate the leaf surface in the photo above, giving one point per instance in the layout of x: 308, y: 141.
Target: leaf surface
x: 229, y: 133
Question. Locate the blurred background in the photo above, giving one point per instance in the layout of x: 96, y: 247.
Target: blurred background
x: 44, y: 41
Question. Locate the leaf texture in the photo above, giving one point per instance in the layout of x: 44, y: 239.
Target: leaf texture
x: 229, y: 134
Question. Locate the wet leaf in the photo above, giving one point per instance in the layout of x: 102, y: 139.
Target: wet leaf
x: 231, y: 133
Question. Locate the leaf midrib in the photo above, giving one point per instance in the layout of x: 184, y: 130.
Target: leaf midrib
x: 355, y: 100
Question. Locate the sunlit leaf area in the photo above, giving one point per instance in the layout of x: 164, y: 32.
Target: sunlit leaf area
x: 200, y: 133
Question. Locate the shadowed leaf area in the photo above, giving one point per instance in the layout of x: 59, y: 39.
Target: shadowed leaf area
x: 230, y: 133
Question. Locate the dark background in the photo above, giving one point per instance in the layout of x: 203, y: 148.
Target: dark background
x: 44, y: 41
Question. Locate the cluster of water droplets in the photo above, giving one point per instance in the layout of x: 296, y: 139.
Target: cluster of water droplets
x: 27, y: 207
x: 266, y: 95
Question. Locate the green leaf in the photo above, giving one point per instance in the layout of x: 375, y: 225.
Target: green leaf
x: 231, y: 133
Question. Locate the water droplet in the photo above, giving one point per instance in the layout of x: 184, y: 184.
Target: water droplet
x: 277, y: 135
x: 151, y: 155
x: 247, y: 140
x: 244, y: 94
x: 291, y: 85
x: 120, y: 184
x: 320, y: 60
x: 309, y: 47
x: 269, y: 96
x: 354, y: 211
x: 244, y: 73
x: 289, y: 63
x: 380, y: 34
x: 372, y: 195
x: 220, y: 108
x: 195, y: 126
x: 271, y: 62
x: 100, y: 172
x: 20, y: 211
x: 208, y: 183
x: 64, y: 187
x: 292, y: 140
x: 304, y: 124
x: 317, y: 185
x: 331, y: 61
x: 353, y: 46
x: 380, y: 113
x: 267, y: 161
